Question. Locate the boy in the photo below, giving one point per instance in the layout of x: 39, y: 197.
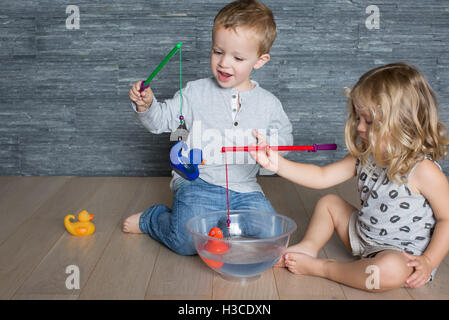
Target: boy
x: 219, y: 110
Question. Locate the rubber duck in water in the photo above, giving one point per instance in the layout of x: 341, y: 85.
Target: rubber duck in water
x: 83, y: 227
x: 215, y: 247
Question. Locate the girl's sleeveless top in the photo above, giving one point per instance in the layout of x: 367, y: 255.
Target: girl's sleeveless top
x: 391, y: 215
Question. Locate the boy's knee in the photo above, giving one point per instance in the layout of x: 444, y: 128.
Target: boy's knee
x: 393, y: 270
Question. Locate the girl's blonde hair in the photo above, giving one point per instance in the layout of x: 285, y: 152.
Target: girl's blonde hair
x: 405, y: 126
x: 252, y: 14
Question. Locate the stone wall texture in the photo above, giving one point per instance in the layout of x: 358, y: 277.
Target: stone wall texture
x: 64, y: 107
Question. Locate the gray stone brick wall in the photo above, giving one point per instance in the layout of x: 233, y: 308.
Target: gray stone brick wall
x: 64, y: 108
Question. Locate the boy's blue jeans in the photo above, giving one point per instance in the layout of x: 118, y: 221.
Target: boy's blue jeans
x: 192, y: 198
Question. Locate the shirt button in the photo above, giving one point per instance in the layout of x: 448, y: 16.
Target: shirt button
x: 236, y: 124
x: 234, y: 110
x: 234, y: 96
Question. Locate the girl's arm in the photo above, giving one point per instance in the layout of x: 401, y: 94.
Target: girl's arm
x: 431, y: 182
x: 308, y: 175
x: 316, y: 177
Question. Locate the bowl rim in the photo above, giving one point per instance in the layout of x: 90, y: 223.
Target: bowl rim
x: 189, y: 229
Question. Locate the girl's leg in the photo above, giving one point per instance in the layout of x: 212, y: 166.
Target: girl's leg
x: 387, y: 270
x: 331, y: 213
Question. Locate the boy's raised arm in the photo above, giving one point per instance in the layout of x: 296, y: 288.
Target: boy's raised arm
x: 159, y: 117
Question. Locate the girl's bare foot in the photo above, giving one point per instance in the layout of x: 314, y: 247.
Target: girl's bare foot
x: 131, y: 224
x: 301, y: 247
x: 299, y: 263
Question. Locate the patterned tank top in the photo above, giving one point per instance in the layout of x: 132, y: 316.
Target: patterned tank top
x: 391, y: 215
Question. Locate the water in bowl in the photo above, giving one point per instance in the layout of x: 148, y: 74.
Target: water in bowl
x: 243, y: 260
x: 253, y: 242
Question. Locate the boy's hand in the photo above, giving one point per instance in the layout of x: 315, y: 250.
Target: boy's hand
x: 142, y: 99
x: 422, y: 270
x: 266, y: 158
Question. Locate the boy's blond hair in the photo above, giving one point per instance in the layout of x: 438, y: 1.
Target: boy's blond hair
x: 251, y: 14
x: 405, y: 126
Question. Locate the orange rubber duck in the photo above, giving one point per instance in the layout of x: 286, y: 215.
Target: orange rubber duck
x: 216, y: 247
x: 83, y: 227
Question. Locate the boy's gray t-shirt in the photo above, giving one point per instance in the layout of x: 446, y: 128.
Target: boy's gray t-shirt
x: 208, y: 115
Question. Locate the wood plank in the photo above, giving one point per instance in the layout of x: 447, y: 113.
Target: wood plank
x: 4, y: 183
x: 22, y: 198
x: 109, y: 204
x: 396, y: 294
x: 49, y: 277
x: 37, y: 235
x: 124, y: 269
x: 5, y: 179
x: 115, y: 196
x: 175, y: 276
x: 179, y: 277
x: 298, y: 287
x: 115, y: 265
x: 263, y: 288
x: 286, y: 200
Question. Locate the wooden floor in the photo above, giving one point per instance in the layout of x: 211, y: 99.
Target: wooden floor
x: 35, y: 249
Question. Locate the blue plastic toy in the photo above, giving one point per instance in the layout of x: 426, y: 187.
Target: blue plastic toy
x: 185, y: 167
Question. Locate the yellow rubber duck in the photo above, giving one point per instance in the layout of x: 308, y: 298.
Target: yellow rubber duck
x: 81, y: 228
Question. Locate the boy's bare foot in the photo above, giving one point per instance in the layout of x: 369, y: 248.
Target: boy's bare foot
x: 301, y: 247
x: 131, y: 224
x: 300, y: 263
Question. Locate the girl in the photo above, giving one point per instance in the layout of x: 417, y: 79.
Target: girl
x: 394, y: 139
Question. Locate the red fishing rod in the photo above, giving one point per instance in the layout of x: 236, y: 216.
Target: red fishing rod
x: 312, y: 148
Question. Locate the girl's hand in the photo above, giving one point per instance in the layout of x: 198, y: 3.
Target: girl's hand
x: 267, y: 158
x: 422, y: 270
x: 142, y: 99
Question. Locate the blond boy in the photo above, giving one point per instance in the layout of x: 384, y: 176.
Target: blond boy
x: 220, y: 110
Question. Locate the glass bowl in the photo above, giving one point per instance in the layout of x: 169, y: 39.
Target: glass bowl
x: 253, y: 242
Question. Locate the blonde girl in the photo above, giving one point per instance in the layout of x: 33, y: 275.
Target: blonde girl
x: 394, y: 139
